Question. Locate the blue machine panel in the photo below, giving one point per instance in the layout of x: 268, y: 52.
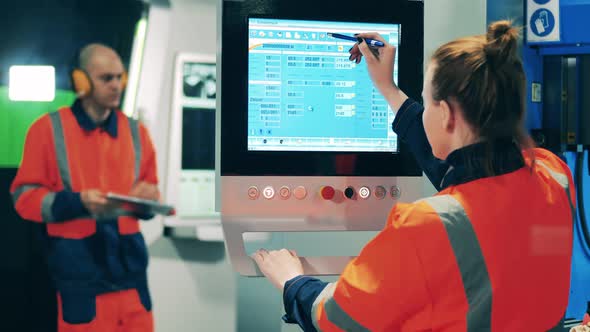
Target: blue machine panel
x: 580, y: 278
x: 574, y: 40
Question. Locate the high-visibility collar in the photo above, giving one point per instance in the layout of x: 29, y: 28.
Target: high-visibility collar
x: 468, y: 163
x: 86, y: 123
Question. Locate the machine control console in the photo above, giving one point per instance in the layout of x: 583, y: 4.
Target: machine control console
x: 326, y: 192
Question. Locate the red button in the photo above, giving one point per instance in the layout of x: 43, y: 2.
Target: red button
x: 327, y: 192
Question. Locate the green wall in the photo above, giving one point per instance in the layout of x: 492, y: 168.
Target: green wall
x: 15, y: 119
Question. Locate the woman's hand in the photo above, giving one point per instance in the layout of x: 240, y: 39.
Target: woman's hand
x: 379, y: 59
x: 279, y: 266
x: 380, y: 64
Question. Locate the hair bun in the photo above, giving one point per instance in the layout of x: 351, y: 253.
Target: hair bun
x: 502, y: 42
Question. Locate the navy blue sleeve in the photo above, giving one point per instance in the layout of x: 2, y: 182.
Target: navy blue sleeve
x: 409, y: 128
x: 298, y: 297
x: 68, y: 205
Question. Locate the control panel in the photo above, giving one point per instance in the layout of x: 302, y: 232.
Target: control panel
x: 327, y: 192
x: 308, y: 204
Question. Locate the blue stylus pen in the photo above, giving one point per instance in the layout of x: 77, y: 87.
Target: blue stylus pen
x: 369, y: 41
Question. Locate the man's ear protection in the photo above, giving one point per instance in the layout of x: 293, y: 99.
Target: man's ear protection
x: 82, y: 84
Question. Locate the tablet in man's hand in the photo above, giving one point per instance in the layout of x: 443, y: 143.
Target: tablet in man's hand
x: 141, y: 205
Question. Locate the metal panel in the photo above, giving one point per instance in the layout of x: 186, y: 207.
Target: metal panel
x: 240, y: 214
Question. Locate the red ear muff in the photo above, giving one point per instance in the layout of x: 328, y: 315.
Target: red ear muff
x: 81, y: 82
x: 83, y: 85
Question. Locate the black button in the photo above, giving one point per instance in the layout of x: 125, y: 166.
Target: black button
x: 349, y: 192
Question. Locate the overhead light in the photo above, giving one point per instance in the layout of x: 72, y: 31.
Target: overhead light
x: 135, y: 67
x: 31, y: 83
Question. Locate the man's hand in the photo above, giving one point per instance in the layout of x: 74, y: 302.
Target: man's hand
x: 279, y: 266
x: 96, y: 202
x: 145, y: 190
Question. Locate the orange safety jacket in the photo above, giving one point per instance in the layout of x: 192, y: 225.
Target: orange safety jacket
x: 65, y: 154
x: 486, y: 253
x: 453, y: 262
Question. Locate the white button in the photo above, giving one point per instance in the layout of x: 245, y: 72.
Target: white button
x: 395, y: 192
x: 268, y: 192
x: 380, y: 192
x: 253, y: 192
x: 364, y: 192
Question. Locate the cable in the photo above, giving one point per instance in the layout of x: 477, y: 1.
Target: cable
x: 580, y: 196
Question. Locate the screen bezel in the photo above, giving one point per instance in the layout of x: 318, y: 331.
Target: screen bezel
x: 237, y: 160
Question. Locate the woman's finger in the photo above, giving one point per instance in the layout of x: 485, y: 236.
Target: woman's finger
x: 372, y: 35
x: 260, y: 255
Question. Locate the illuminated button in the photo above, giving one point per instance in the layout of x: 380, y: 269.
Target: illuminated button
x: 364, y: 192
x: 284, y: 192
x: 395, y: 192
x: 268, y: 192
x: 300, y: 192
x: 349, y: 192
x: 380, y: 192
x: 327, y: 192
x: 253, y: 192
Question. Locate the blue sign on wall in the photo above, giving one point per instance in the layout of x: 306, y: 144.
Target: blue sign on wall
x: 542, y: 22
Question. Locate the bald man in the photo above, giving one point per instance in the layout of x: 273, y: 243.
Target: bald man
x: 96, y: 254
x: 105, y: 69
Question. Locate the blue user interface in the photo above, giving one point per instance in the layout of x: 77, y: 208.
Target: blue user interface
x: 304, y: 94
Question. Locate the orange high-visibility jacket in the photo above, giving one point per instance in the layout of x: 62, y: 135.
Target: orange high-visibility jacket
x: 455, y: 262
x: 491, y: 251
x: 65, y: 154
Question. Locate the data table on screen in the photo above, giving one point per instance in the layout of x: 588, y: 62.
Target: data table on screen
x: 304, y: 94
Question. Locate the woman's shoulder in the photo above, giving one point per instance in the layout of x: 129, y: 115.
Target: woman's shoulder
x: 541, y: 154
x: 546, y: 159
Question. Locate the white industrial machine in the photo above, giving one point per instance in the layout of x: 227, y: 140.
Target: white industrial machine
x: 305, y: 139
